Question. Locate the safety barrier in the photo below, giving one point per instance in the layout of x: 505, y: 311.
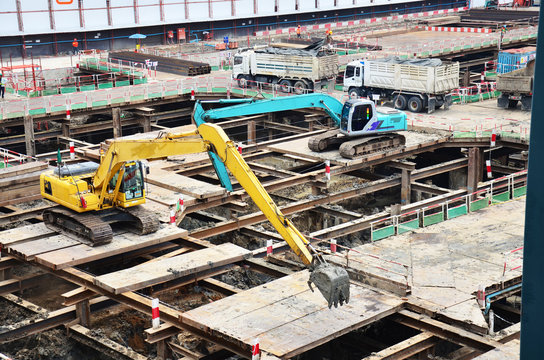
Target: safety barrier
x: 457, y: 29
x: 499, y: 190
x: 373, y: 21
x: 11, y: 158
x: 133, y: 93
x: 477, y: 92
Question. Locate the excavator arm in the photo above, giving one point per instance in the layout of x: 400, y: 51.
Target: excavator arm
x: 333, y: 282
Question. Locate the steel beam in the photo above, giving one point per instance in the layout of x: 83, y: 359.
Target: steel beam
x: 407, y: 348
x: 445, y: 331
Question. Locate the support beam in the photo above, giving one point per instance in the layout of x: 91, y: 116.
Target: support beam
x: 445, y: 331
x: 407, y: 348
x: 117, y: 127
x: 30, y: 142
x: 251, y: 132
x: 83, y: 312
x: 474, y: 169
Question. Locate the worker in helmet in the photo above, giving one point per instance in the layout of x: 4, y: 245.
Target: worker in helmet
x: 75, y: 46
x: 298, y: 31
x: 329, y: 38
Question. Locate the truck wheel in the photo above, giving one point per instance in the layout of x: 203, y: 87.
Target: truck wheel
x: 299, y: 87
x: 526, y: 103
x: 242, y: 82
x: 285, y: 85
x: 400, y: 102
x: 354, y: 93
x: 512, y: 104
x: 249, y: 81
x: 415, y: 104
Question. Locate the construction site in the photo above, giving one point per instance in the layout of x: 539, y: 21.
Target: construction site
x: 320, y: 187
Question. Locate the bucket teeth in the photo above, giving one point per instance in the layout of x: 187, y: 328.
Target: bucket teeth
x: 333, y: 283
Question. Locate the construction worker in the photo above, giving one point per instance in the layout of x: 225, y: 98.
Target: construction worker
x: 329, y: 38
x: 75, y: 46
x: 298, y: 31
x: 3, y: 83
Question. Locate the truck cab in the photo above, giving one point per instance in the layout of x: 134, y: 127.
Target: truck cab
x: 353, y: 78
x: 241, y: 68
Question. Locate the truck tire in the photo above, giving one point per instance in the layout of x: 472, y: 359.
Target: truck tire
x: 242, y: 82
x: 502, y: 101
x: 400, y: 102
x: 526, y: 103
x: 299, y: 87
x: 415, y: 104
x: 512, y: 104
x: 354, y: 93
x: 285, y: 85
x: 249, y: 80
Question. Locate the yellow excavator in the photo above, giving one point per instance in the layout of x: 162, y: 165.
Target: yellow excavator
x: 91, y: 196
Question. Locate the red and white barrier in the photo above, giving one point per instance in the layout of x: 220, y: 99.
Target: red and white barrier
x: 480, y: 295
x: 488, y: 168
x: 333, y: 246
x: 269, y: 248
x: 457, y: 29
x: 172, y: 217
x: 384, y: 19
x: 255, y: 351
x: 192, y: 94
x: 239, y: 148
x: 72, y: 151
x: 180, y: 205
x: 68, y: 114
x: 156, y: 322
x: 493, y: 138
x: 328, y: 169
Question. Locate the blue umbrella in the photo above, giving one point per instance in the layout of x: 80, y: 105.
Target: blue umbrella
x: 137, y: 36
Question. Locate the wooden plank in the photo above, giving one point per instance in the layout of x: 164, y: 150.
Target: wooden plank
x: 29, y: 249
x: 287, y: 317
x: 185, y: 185
x: 163, y: 270
x: 24, y: 233
x: 23, y: 169
x: 80, y: 254
x: 167, y: 197
x: 406, y: 348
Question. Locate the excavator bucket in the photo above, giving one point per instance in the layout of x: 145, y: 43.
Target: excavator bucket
x: 332, y: 281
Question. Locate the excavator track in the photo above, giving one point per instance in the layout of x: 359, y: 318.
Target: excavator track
x: 325, y: 140
x: 94, y: 228
x: 84, y: 227
x: 145, y: 222
x: 370, y: 144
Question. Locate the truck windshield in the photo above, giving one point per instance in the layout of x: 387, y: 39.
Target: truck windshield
x: 350, y: 71
x: 237, y: 60
x: 345, y: 116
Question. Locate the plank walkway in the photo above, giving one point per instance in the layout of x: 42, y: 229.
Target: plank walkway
x: 156, y: 272
x: 38, y: 243
x: 287, y: 317
x: 447, y: 261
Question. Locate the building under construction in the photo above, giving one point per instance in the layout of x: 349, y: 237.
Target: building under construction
x: 430, y: 231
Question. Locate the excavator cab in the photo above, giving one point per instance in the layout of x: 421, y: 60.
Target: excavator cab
x: 357, y: 117
x: 131, y: 188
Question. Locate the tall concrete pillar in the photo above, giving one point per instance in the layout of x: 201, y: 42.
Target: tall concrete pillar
x: 474, y: 173
x: 30, y: 142
x: 117, y: 128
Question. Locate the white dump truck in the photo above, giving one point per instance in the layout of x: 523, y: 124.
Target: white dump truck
x: 517, y: 86
x: 295, y: 70
x: 414, y: 84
